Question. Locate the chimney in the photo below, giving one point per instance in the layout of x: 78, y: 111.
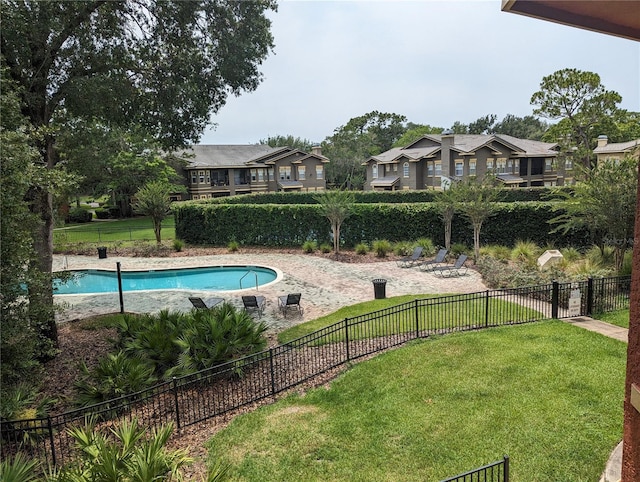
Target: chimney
x: 602, y: 140
x: 316, y: 150
x: 445, y: 151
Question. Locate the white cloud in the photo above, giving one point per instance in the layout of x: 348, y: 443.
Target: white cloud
x: 434, y: 62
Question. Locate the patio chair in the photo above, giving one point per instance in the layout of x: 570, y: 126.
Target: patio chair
x: 456, y: 269
x: 409, y: 261
x: 207, y: 304
x: 431, y: 264
x: 257, y: 303
x: 290, y: 302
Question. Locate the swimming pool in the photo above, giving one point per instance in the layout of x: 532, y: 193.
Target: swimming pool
x: 215, y: 278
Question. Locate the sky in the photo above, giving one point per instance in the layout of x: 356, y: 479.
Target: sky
x: 435, y: 62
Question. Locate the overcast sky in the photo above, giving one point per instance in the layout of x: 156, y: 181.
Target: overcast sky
x: 436, y: 62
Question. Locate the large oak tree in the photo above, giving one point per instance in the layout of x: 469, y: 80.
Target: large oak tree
x: 161, y: 66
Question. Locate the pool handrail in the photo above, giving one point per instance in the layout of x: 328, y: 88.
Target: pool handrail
x: 247, y: 273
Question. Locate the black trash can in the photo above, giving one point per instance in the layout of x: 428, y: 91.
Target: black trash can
x: 102, y: 252
x: 379, y: 288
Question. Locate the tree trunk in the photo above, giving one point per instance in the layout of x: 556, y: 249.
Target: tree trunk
x: 447, y: 232
x: 336, y: 239
x: 476, y: 240
x: 157, y: 226
x: 631, y: 438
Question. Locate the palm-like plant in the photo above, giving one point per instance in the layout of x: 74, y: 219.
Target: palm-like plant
x: 115, y: 375
x: 127, y: 456
x: 217, y: 336
x: 18, y: 469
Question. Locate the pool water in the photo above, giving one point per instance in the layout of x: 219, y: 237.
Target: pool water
x: 217, y: 278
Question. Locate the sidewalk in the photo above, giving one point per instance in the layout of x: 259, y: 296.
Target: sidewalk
x: 613, y: 470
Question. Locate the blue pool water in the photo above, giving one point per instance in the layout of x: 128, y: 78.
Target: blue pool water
x: 218, y: 278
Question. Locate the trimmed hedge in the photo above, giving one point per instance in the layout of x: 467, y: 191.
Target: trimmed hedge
x: 376, y: 197
x: 293, y: 224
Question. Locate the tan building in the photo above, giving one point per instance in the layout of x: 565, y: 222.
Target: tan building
x: 435, y: 159
x: 614, y: 151
x: 227, y: 170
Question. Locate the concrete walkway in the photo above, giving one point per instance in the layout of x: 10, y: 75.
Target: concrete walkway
x: 613, y: 470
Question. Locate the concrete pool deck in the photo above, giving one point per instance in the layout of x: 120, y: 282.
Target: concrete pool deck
x: 326, y: 285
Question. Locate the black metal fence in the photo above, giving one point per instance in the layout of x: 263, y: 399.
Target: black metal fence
x: 495, y: 472
x: 191, y: 399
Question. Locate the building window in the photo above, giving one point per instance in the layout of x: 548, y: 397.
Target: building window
x: 301, y: 173
x: 516, y: 164
x: 201, y: 176
x: 405, y: 169
x: 501, y: 165
x: 374, y: 171
x: 320, y: 172
x: 395, y: 168
x: 208, y: 178
x: 472, y: 167
x: 438, y: 165
x: 285, y: 173
x: 429, y: 168
x: 548, y: 164
x: 194, y: 177
x: 459, y: 168
x: 489, y: 165
x: 568, y: 164
x: 260, y: 175
x: 271, y: 174
x: 509, y: 165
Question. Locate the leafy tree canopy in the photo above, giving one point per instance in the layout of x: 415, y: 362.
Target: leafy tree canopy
x: 527, y: 127
x: 360, y: 138
x: 289, y: 141
x: 415, y: 132
x: 581, y: 101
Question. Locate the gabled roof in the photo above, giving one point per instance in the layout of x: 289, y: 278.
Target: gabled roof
x: 469, y: 144
x: 207, y: 156
x: 618, y: 147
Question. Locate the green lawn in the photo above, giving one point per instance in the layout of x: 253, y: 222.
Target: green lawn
x: 618, y: 318
x: 113, y: 231
x: 470, y: 312
x: 548, y: 394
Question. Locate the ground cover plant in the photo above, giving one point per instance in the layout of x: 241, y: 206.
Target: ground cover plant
x: 547, y: 394
x: 471, y: 312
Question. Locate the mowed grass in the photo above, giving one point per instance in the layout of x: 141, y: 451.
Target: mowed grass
x: 618, y: 318
x: 116, y: 230
x: 470, y: 312
x: 548, y: 394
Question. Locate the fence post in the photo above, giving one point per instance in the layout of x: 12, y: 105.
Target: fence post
x: 174, y: 387
x: 272, y: 371
x: 53, y: 445
x: 589, y: 296
x: 555, y: 299
x: 346, y: 337
x: 506, y: 468
x: 415, y: 307
x: 486, y: 308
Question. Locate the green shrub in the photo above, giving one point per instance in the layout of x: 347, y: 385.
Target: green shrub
x: 602, y: 258
x: 217, y: 336
x: 402, y: 248
x: 362, y: 248
x: 525, y: 252
x: 177, y: 245
x: 79, y: 215
x: 381, y: 247
x: 101, y: 213
x: 326, y: 248
x: 18, y: 469
x: 627, y: 262
x: 570, y: 254
x: 497, y: 251
x: 114, y: 376
x: 428, y: 247
x: 309, y: 246
x: 233, y: 246
x: 458, y: 248
x: 130, y: 452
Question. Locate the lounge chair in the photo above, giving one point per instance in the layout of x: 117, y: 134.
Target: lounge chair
x: 456, y: 269
x: 431, y: 264
x: 257, y: 303
x: 290, y: 302
x: 207, y: 304
x: 409, y: 261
